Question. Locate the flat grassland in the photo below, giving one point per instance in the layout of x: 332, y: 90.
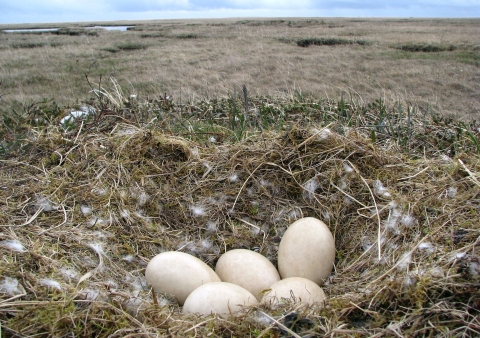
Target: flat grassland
x: 430, y: 63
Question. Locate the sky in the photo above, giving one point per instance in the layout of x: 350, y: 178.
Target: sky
x: 50, y: 11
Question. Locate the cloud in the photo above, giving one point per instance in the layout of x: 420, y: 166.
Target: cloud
x: 199, y: 5
x: 380, y: 4
x: 12, y: 11
x: 148, y: 5
x: 256, y: 4
x: 50, y: 6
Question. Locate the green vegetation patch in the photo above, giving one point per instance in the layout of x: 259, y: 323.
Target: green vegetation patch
x: 285, y: 40
x: 305, y: 42
x: 426, y: 48
x: 187, y: 36
x: 290, y: 23
x: 75, y: 32
x: 132, y: 46
x: 56, y: 44
x: 217, y: 24
x: 111, y: 49
x: 464, y: 55
x: 262, y: 22
x: 28, y: 44
x: 152, y: 35
x: 31, y: 44
x: 127, y: 46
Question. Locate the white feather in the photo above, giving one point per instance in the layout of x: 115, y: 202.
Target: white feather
x: 12, y: 245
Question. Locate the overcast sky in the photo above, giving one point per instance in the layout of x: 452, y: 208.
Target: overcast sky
x: 35, y: 11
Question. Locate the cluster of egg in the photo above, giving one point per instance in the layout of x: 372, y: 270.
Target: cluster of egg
x: 243, y: 278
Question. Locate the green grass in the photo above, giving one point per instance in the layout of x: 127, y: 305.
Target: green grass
x: 187, y: 36
x: 451, y: 52
x: 305, y: 42
x: 152, y: 35
x: 126, y: 47
x: 75, y: 32
x: 129, y: 46
x: 463, y: 55
x: 280, y: 22
x: 468, y: 56
x: 261, y: 22
x: 413, y: 129
x: 28, y: 45
x: 426, y: 48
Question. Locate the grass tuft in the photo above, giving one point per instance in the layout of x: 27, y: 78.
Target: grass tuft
x: 187, y: 36
x: 75, y: 31
x: 426, y: 48
x: 125, y: 47
x: 305, y: 42
x: 131, y: 46
x: 28, y: 45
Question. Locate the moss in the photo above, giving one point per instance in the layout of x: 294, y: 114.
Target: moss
x: 329, y: 42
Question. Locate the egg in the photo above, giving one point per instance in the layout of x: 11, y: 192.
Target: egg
x: 178, y: 274
x: 294, y: 289
x: 307, y: 250
x: 222, y: 298
x: 248, y: 269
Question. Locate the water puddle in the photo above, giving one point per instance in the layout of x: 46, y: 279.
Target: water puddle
x: 41, y: 30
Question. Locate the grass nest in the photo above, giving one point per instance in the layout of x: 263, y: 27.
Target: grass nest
x: 84, y: 209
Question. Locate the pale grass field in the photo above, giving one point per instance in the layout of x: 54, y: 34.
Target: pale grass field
x: 224, y: 55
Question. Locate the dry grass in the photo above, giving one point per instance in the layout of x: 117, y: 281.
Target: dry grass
x: 84, y: 205
x: 214, y: 58
x: 84, y: 208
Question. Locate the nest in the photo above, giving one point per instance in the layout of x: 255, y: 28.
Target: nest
x: 82, y: 212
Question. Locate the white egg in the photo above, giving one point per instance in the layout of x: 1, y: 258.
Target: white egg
x: 222, y: 298
x: 307, y: 250
x: 246, y: 268
x: 178, y: 274
x: 296, y: 290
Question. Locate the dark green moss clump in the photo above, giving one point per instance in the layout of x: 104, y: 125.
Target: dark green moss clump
x: 28, y: 44
x: 127, y: 46
x: 329, y: 42
x: 187, y: 36
x: 426, y: 48
x: 75, y: 32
